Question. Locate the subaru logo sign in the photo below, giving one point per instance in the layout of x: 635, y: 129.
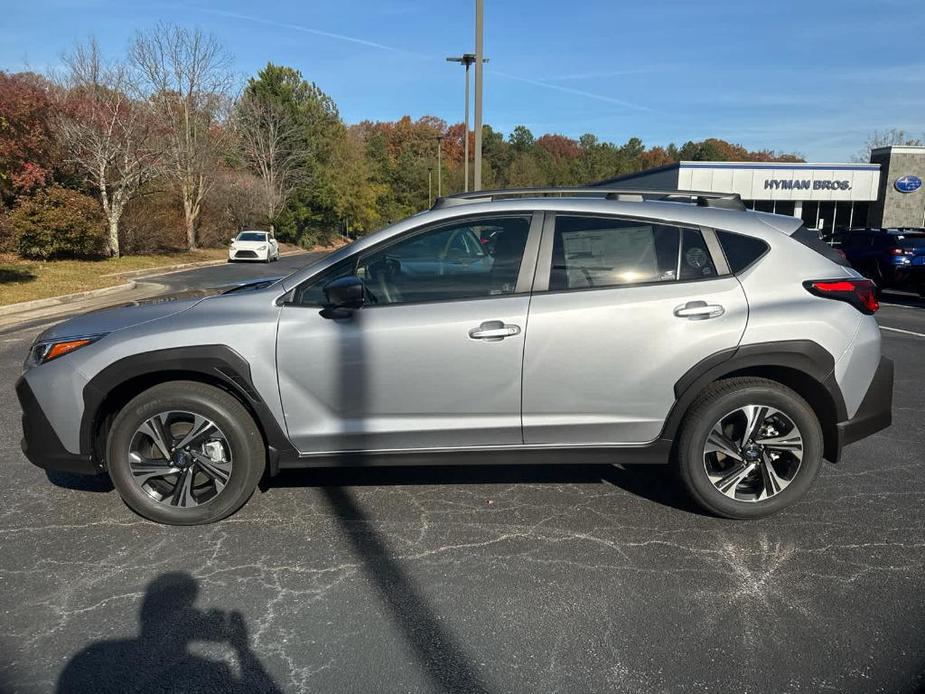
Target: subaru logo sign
x: 908, y: 184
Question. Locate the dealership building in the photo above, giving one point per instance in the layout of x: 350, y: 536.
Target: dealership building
x: 887, y: 192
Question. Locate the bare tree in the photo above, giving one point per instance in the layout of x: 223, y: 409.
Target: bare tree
x: 883, y: 138
x: 268, y: 142
x: 106, y: 134
x: 186, y: 78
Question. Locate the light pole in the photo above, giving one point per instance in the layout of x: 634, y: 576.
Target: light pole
x: 466, y: 59
x: 479, y: 54
x: 440, y: 165
x: 430, y: 186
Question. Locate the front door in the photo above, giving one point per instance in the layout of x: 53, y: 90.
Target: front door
x: 623, y: 309
x: 432, y: 360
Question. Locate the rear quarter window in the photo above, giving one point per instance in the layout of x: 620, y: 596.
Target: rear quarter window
x: 811, y: 239
x: 741, y: 251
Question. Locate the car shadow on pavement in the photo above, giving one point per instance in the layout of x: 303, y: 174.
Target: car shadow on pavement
x: 657, y: 483
x: 82, y: 483
x: 159, y: 658
x: 907, y: 299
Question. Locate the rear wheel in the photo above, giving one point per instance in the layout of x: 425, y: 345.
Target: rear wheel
x: 185, y: 453
x: 749, y: 447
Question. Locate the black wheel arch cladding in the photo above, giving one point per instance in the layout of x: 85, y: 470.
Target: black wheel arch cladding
x: 219, y: 365
x: 803, y: 365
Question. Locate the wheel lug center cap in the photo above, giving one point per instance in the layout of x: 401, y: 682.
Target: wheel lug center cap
x: 751, y: 453
x: 181, y: 458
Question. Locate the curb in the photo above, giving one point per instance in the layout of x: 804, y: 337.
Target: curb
x: 35, y: 304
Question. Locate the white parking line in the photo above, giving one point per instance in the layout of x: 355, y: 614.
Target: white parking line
x: 900, y: 330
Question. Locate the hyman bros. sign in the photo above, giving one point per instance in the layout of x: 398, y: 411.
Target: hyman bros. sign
x: 805, y: 184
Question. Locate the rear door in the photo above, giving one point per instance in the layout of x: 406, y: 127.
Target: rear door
x: 621, y: 309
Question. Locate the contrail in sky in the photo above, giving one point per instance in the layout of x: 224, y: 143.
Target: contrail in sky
x: 393, y: 49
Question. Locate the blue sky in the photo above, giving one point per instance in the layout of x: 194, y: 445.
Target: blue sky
x: 812, y: 76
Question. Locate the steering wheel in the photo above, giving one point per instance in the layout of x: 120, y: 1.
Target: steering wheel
x: 382, y: 274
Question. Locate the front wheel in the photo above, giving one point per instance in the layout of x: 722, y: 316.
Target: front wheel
x: 185, y: 453
x: 749, y: 447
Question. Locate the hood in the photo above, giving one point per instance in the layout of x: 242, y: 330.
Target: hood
x: 249, y: 244
x: 108, y: 320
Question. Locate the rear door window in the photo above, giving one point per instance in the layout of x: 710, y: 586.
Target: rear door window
x: 590, y: 252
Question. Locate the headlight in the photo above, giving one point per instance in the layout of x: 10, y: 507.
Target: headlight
x: 262, y: 248
x: 45, y: 351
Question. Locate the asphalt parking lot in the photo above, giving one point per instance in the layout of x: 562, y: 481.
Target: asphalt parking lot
x: 498, y: 579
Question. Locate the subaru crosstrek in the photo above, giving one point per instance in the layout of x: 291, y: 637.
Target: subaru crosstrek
x: 593, y: 326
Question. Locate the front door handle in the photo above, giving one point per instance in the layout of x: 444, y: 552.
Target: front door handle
x: 699, y: 310
x: 494, y: 330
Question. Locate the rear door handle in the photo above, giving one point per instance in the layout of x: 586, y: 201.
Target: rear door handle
x: 699, y: 310
x: 494, y: 330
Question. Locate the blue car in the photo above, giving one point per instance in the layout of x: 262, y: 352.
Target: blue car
x: 890, y: 257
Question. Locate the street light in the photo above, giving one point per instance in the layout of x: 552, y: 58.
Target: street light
x: 466, y: 59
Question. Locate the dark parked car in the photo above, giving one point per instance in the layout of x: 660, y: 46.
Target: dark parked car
x: 890, y: 257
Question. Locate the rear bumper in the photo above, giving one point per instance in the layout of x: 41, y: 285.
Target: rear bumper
x: 876, y: 410
x: 41, y: 444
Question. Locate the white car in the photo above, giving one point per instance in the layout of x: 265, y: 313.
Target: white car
x: 253, y: 245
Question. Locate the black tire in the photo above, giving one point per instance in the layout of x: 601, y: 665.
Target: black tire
x: 248, y: 452
x: 716, y: 402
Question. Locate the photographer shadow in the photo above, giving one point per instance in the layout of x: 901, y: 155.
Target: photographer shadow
x: 159, y: 659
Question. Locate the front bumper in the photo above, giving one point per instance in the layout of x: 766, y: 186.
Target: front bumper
x: 876, y: 410
x: 248, y: 254
x: 41, y: 444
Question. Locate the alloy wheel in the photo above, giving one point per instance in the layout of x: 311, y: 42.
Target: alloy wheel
x: 753, y: 453
x: 180, y: 459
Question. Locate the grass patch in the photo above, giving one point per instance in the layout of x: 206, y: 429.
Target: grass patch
x: 25, y: 280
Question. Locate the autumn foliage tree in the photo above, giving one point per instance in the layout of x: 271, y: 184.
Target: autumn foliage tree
x: 26, y: 138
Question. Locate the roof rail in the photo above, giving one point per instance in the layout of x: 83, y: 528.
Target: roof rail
x: 729, y: 201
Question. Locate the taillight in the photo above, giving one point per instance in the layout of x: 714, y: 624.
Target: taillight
x: 862, y: 294
x: 896, y: 251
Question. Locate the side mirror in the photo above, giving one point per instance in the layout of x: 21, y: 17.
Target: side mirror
x: 343, y: 295
x: 233, y: 239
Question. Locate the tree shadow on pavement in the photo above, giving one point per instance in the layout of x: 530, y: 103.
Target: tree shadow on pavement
x: 159, y: 659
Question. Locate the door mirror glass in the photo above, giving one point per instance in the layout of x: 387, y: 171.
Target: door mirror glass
x: 344, y: 292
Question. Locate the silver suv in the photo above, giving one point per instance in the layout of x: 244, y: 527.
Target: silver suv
x: 553, y: 326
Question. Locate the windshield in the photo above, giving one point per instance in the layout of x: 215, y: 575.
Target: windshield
x: 252, y: 236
